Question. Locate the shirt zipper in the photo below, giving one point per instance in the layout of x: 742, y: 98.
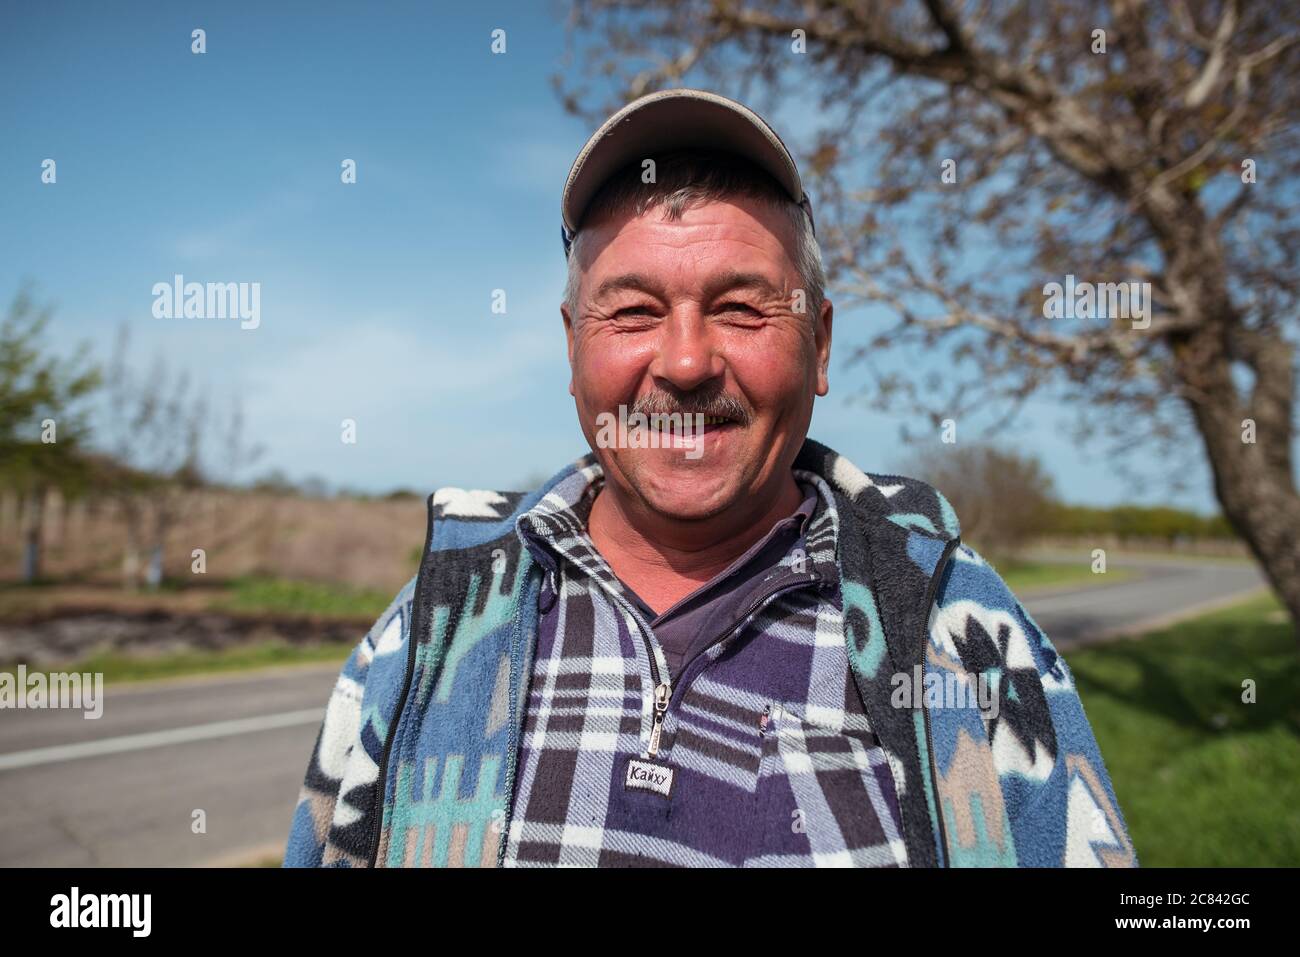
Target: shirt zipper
x: 662, y: 689
x: 664, y: 693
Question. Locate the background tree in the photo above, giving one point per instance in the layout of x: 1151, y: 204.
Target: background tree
x: 42, y: 434
x: 176, y: 455
x: 1114, y: 141
x: 1003, y: 499
x: 152, y: 426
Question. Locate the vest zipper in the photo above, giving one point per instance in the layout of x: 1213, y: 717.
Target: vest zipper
x: 930, y: 592
x: 521, y: 679
x: 412, y: 641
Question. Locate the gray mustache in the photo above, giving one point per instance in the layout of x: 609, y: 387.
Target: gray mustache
x: 719, y: 404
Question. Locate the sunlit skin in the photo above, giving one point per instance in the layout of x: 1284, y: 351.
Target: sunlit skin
x: 706, y: 301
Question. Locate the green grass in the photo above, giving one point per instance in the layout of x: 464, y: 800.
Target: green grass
x: 118, y: 667
x: 282, y: 596
x: 1021, y: 575
x: 1203, y: 779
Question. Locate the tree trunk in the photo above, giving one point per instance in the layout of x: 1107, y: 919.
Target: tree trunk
x: 153, y: 574
x: 1248, y: 445
x: 131, y: 545
x: 1247, y: 432
x: 33, y: 516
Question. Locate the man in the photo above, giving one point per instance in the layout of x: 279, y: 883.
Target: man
x: 711, y: 643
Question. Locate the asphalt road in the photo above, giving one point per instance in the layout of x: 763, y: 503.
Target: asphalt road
x: 123, y: 790
x: 234, y: 747
x: 1156, y: 592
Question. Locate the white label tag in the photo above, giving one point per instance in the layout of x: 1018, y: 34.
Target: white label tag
x: 647, y: 776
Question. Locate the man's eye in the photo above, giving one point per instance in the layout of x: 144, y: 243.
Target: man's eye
x: 738, y: 307
x: 634, y: 312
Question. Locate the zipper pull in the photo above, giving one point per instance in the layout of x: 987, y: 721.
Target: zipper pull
x: 661, y: 705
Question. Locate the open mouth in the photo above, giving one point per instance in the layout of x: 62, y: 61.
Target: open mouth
x: 713, y: 423
x: 689, y: 431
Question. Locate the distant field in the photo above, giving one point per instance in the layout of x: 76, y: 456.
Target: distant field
x: 1025, y: 575
x: 117, y: 667
x: 273, y: 595
x: 1047, y: 553
x: 250, y: 595
x: 369, y: 543
x: 245, y: 624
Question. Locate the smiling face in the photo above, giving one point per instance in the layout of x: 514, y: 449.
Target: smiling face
x: 697, y: 315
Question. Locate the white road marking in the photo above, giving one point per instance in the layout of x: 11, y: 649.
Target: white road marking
x: 158, y: 739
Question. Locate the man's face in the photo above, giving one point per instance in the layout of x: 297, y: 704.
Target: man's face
x: 694, y: 315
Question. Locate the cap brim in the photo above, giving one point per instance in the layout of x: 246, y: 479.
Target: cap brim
x: 672, y: 120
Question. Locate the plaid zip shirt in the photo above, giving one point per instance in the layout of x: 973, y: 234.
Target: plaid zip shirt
x: 764, y: 755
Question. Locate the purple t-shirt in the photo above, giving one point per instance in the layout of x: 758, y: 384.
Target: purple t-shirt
x: 706, y: 614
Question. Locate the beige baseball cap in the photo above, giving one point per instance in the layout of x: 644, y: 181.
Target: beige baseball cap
x: 672, y: 120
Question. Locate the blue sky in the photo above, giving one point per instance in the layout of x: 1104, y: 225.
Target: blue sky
x: 375, y: 296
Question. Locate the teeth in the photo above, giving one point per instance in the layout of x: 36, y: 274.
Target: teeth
x: 714, y: 420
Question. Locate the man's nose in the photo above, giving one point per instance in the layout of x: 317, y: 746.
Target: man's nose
x: 687, y: 357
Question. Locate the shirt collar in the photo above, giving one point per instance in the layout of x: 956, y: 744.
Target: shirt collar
x: 557, y: 525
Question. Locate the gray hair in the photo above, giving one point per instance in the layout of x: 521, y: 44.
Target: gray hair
x: 687, y: 178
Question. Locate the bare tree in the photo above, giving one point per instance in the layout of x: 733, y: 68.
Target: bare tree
x: 235, y: 455
x: 171, y: 447
x: 153, y: 427
x: 1004, y: 498
x: 968, y: 152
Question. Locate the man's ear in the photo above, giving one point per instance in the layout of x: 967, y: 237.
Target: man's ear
x: 568, y: 335
x: 822, y: 335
